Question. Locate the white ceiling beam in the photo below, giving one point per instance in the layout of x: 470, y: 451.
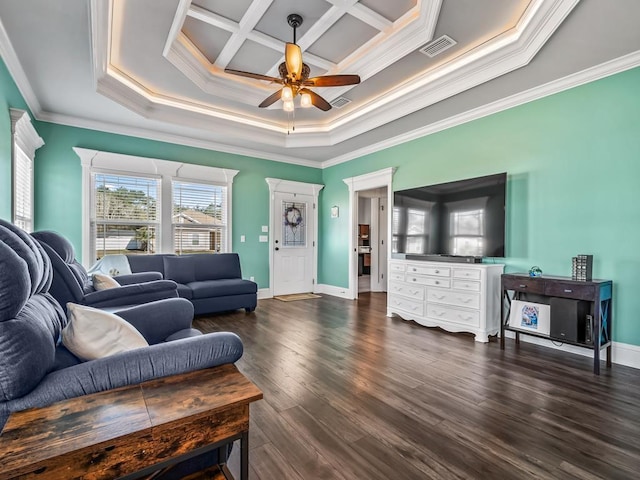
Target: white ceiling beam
x: 213, y: 19
x: 248, y: 22
x: 370, y: 17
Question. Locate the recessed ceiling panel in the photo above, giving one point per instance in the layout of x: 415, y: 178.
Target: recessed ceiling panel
x: 207, y: 38
x: 274, y: 22
x: 256, y: 58
x: 233, y: 10
x: 390, y: 10
x: 343, y: 38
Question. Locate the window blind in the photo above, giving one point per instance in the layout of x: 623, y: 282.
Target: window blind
x: 199, y: 217
x: 22, y: 190
x: 125, y: 214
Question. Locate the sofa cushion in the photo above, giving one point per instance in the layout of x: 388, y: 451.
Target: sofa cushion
x: 104, y: 282
x: 221, y: 288
x: 147, y: 263
x: 180, y: 269
x: 217, y: 266
x: 184, y: 291
x: 92, y: 333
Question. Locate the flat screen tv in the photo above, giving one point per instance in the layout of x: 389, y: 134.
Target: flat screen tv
x: 465, y: 218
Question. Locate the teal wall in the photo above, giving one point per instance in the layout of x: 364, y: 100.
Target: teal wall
x: 573, y: 163
x: 9, y: 98
x: 58, y: 185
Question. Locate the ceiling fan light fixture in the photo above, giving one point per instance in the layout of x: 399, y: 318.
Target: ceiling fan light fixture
x: 287, y: 93
x: 287, y: 105
x: 305, y: 100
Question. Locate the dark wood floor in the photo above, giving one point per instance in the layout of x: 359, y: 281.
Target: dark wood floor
x: 352, y: 394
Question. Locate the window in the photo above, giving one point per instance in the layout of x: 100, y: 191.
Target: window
x: 125, y: 214
x: 199, y: 217
x: 467, y: 232
x: 140, y: 205
x: 25, y: 142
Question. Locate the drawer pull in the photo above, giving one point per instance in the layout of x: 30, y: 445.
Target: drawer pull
x: 414, y: 279
x: 439, y: 314
x: 437, y: 282
x: 437, y: 271
x: 522, y: 286
x: 465, y: 318
x: 464, y: 300
x: 414, y: 269
x: 414, y: 292
x: 437, y: 297
x: 566, y: 290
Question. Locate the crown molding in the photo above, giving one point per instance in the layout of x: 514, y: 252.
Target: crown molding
x: 8, y: 54
x: 118, y: 129
x: 23, y: 132
x: 588, y: 75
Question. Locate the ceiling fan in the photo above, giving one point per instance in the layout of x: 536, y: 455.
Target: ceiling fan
x: 294, y: 76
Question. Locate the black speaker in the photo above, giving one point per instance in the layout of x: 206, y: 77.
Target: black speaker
x: 568, y: 319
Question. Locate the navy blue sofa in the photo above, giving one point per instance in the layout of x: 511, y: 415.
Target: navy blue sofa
x: 72, y: 283
x: 212, y: 282
x: 37, y: 371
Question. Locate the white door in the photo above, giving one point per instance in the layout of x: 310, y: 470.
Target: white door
x: 293, y: 243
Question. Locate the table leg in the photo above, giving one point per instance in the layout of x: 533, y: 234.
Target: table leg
x: 596, y: 344
x: 244, y: 456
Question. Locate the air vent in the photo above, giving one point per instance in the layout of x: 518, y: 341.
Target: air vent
x: 438, y: 46
x: 340, y: 102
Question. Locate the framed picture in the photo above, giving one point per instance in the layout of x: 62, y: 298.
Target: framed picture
x: 530, y: 316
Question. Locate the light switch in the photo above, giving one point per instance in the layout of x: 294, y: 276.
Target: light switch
x: 242, y: 239
x: 265, y: 229
x: 264, y: 238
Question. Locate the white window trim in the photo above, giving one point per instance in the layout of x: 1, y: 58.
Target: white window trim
x: 25, y: 137
x: 120, y: 164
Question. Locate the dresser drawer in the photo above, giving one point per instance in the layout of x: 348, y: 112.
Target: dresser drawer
x: 469, y: 300
x: 397, y: 267
x: 455, y: 315
x: 429, y: 270
x: 431, y: 281
x: 569, y: 290
x: 396, y: 276
x: 412, y: 291
x: 467, y: 273
x: 465, y: 285
x: 401, y: 303
x: 523, y: 284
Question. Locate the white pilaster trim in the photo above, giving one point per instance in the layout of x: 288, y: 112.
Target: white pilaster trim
x: 367, y: 181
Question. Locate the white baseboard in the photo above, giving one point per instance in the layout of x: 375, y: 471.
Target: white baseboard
x: 621, y: 353
x: 341, y: 292
x: 264, y: 293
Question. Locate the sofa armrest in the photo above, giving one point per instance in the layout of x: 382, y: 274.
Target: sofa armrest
x: 141, y: 277
x: 130, y: 368
x: 158, y: 320
x: 132, y: 294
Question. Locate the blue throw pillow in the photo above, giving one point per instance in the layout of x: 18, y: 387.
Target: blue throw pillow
x: 180, y: 269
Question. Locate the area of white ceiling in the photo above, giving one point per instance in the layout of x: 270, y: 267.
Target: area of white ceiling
x: 154, y: 68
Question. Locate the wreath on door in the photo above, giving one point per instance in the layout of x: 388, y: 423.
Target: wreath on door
x: 292, y: 217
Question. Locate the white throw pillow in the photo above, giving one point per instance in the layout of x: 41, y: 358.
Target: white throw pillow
x: 92, y: 333
x: 104, y: 282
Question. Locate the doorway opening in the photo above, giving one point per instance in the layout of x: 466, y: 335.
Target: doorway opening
x: 372, y: 240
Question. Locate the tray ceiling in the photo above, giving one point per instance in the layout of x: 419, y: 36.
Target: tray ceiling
x: 163, y: 62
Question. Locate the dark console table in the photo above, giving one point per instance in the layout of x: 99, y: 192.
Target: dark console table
x: 597, y: 295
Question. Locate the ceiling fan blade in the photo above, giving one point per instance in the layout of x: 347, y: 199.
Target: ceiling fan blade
x: 317, y: 100
x: 332, y: 81
x: 271, y: 99
x: 293, y: 59
x: 255, y: 76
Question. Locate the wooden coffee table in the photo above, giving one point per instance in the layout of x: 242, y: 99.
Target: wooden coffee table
x: 132, y: 432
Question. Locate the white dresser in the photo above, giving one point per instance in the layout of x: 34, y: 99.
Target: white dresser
x: 457, y: 297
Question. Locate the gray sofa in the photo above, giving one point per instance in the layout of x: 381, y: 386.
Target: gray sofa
x: 37, y: 371
x: 212, y: 282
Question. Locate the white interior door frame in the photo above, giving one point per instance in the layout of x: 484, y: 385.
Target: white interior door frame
x: 377, y: 179
x: 277, y: 185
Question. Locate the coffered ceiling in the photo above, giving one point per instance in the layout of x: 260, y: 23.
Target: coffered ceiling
x: 155, y: 68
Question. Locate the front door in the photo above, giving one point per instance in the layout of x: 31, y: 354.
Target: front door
x: 293, y: 243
